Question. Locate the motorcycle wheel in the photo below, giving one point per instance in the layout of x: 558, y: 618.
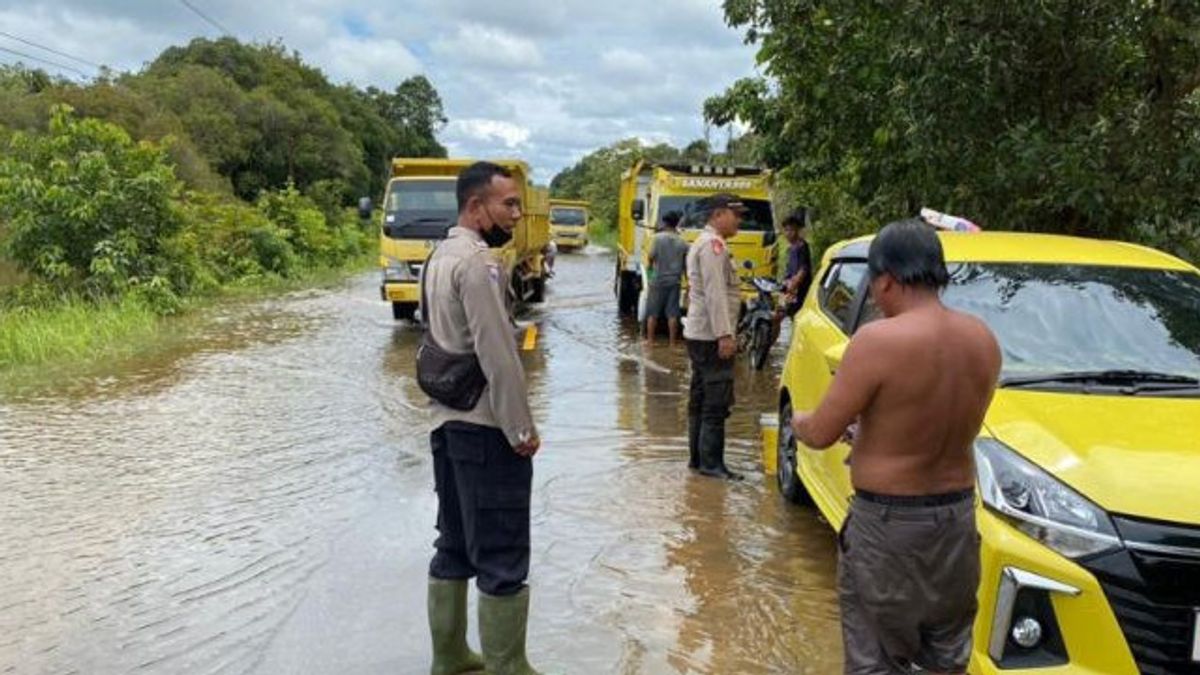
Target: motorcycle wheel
x: 760, y: 345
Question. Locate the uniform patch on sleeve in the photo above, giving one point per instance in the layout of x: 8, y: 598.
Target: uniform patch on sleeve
x: 718, y: 246
x: 494, y: 272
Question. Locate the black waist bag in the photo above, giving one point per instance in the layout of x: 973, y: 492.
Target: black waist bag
x: 454, y: 380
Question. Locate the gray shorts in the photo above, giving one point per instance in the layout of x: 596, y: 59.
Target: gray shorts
x: 907, y: 577
x: 663, y: 301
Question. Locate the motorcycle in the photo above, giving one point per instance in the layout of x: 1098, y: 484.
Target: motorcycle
x: 756, y: 329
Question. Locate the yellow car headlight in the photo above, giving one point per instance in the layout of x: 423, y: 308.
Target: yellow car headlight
x: 1039, y: 504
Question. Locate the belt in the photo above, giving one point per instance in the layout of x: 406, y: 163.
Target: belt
x: 944, y: 499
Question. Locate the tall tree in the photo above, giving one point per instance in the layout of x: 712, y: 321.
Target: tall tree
x: 415, y: 110
x: 1057, y: 115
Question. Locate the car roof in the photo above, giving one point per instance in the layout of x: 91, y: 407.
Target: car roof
x: 1022, y: 247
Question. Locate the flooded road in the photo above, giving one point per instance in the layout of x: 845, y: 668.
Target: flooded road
x: 258, y: 499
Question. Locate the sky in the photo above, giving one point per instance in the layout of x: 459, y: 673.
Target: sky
x: 547, y: 81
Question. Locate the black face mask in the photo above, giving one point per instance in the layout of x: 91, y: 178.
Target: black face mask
x: 496, y: 236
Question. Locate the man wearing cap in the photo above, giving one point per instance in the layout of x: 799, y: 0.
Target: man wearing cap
x: 713, y: 304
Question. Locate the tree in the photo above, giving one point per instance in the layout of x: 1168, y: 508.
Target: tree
x: 85, y: 205
x: 1056, y: 116
x: 267, y: 119
x: 415, y: 110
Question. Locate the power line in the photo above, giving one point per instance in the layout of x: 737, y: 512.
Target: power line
x: 45, y: 61
x: 48, y: 49
x: 202, y: 15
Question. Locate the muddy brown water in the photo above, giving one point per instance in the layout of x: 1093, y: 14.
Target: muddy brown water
x: 258, y: 499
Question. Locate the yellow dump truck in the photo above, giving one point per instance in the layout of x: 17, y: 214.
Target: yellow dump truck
x: 650, y: 191
x: 569, y: 223
x: 419, y: 208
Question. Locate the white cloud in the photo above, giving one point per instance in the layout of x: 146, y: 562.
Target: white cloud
x: 510, y: 135
x: 625, y: 62
x: 479, y: 46
x: 382, y: 63
x: 524, y: 17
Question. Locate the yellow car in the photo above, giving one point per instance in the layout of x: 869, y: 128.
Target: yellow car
x: 1088, y: 464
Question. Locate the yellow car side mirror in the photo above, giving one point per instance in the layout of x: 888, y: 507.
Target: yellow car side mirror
x: 834, y: 356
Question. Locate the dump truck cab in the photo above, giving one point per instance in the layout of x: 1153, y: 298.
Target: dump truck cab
x: 650, y: 191
x: 419, y: 208
x: 569, y: 223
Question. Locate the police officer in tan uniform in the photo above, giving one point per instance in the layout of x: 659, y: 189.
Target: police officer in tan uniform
x: 713, y: 304
x: 482, y: 458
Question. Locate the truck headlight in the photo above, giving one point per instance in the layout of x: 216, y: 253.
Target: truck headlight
x: 1039, y: 504
x: 397, y: 270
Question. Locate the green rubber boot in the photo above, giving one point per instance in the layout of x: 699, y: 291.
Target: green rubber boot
x: 502, y: 622
x: 448, y: 626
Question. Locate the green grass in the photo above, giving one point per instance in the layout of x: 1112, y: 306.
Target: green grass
x: 74, y: 330
x: 81, y: 334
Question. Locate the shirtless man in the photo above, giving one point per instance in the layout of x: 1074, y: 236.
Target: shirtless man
x: 918, y: 382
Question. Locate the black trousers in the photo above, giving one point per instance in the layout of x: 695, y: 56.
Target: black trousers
x: 483, y: 490
x: 709, y: 403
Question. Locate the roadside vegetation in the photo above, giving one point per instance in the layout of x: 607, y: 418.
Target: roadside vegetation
x: 1056, y: 116
x: 221, y: 167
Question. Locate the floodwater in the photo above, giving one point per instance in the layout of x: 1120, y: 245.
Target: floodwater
x: 258, y: 499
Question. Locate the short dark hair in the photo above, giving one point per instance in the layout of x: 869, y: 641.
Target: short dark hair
x: 475, y: 179
x: 910, y: 252
x: 671, y: 218
x: 797, y: 219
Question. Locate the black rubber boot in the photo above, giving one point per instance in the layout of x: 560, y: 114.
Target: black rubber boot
x: 712, y: 453
x: 694, y: 442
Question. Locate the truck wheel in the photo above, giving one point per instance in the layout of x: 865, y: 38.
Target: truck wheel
x: 404, y: 311
x: 537, y: 290
x: 627, y: 295
x: 786, y: 473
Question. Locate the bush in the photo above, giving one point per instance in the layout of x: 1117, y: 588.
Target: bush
x: 315, y: 238
x: 87, y: 207
x: 225, y: 241
x: 329, y: 195
x: 300, y: 218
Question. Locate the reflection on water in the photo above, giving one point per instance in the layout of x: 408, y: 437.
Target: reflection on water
x: 219, y: 507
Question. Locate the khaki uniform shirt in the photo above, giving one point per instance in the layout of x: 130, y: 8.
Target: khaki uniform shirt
x: 714, y: 289
x: 466, y: 288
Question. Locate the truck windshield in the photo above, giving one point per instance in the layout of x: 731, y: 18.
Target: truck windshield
x: 420, y: 209
x: 758, y: 217
x: 564, y: 216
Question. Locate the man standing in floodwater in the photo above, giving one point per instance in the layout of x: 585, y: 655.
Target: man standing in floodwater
x: 919, y: 382
x: 482, y: 451
x: 713, y: 303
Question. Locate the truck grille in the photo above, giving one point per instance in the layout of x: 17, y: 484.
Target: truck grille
x: 1155, y: 594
